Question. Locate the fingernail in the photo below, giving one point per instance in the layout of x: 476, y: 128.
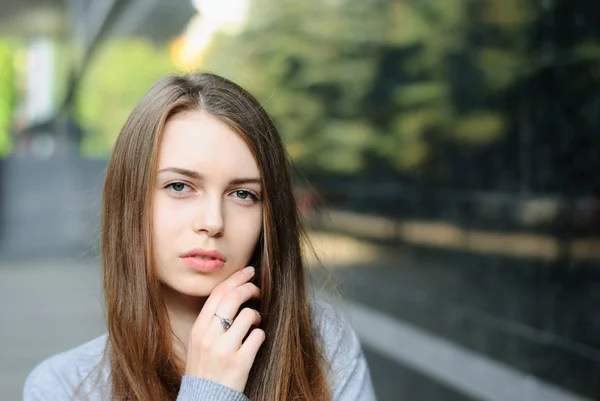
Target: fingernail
x: 248, y: 270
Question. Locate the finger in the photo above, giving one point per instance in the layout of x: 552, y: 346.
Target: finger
x: 241, y: 326
x: 237, y: 279
x: 251, y: 346
x: 230, y: 305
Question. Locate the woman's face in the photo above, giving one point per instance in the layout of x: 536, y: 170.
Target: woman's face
x: 207, y: 198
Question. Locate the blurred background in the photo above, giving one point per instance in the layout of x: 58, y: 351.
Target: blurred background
x: 452, y: 148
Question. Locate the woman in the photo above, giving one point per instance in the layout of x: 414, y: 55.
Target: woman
x: 204, y: 282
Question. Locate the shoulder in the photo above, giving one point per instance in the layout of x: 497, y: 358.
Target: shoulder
x: 60, y: 376
x: 348, y: 373
x: 331, y: 322
x: 338, y: 337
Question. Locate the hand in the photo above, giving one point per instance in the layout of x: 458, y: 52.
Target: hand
x: 220, y: 355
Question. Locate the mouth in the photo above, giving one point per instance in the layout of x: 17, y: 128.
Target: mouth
x: 203, y: 254
x: 202, y: 257
x: 203, y: 261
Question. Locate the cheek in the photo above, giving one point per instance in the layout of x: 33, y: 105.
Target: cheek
x: 165, y: 221
x: 168, y: 213
x: 247, y: 234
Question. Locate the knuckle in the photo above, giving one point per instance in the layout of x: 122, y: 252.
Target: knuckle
x: 248, y: 314
x: 216, y: 294
x: 235, y: 298
x: 228, y: 298
x: 240, y: 295
x: 245, y: 312
x: 227, y: 285
x: 205, y: 345
x: 221, y: 353
x: 251, y: 289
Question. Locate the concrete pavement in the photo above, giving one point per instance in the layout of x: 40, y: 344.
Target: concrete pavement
x: 47, y: 307
x: 422, y: 340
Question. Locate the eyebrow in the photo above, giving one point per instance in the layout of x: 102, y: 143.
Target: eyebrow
x: 197, y: 176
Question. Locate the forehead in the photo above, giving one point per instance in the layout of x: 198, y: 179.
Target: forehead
x: 198, y: 141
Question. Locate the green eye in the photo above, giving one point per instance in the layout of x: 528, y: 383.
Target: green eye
x: 178, y: 186
x: 242, y: 194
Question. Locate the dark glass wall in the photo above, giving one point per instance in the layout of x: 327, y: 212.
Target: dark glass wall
x: 484, y: 158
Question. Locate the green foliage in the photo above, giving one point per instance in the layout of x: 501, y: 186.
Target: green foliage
x: 304, y: 61
x: 7, y: 95
x: 347, y: 81
x: 315, y: 65
x: 119, y: 76
x: 481, y: 126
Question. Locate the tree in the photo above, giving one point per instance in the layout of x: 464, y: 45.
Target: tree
x: 119, y: 76
x: 7, y: 95
x: 310, y: 63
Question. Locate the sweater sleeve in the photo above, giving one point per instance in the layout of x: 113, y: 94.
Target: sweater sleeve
x: 199, y: 389
x: 349, y: 377
x: 354, y: 381
x: 72, y: 375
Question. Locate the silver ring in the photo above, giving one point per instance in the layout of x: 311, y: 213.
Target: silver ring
x: 226, y: 323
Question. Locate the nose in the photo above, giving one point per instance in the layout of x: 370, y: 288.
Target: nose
x: 209, y: 217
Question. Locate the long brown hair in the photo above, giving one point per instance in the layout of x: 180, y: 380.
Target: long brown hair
x: 290, y: 364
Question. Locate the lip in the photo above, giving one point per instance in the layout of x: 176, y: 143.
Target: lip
x: 190, y: 259
x: 203, y: 252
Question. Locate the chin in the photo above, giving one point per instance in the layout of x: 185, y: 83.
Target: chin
x: 202, y: 290
x: 198, y: 286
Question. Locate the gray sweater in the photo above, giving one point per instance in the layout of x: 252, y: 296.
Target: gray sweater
x: 58, y: 377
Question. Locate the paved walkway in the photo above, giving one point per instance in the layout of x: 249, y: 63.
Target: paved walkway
x: 47, y: 307
x: 51, y: 306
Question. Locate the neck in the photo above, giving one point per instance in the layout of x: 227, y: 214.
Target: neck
x: 183, y: 310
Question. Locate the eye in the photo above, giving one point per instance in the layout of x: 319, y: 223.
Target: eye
x: 245, y: 195
x: 177, y: 187
x: 242, y: 194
